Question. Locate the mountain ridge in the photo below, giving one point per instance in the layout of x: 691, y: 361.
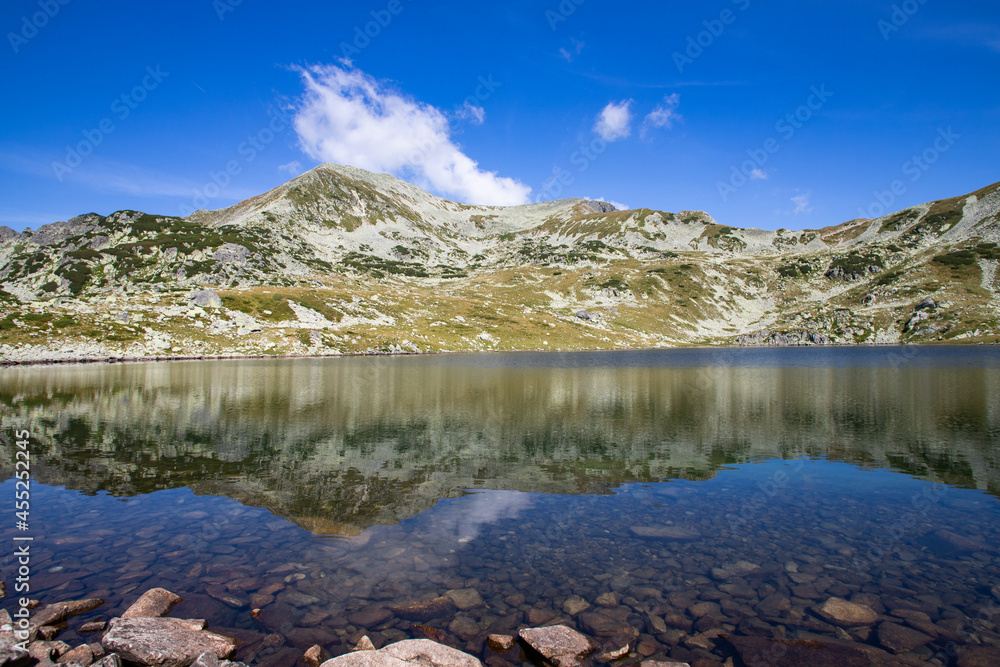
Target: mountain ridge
x: 340, y: 260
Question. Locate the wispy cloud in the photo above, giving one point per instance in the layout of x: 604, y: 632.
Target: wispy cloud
x: 471, y: 113
x: 103, y: 175
x: 294, y: 167
x: 758, y: 175
x: 347, y: 116
x: 664, y: 115
x: 569, y: 55
x: 615, y: 121
x: 974, y: 34
x: 802, y: 204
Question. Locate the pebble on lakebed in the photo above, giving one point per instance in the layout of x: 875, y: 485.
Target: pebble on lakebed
x: 144, y: 636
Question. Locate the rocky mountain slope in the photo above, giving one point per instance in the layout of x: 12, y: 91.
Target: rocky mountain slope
x: 340, y: 260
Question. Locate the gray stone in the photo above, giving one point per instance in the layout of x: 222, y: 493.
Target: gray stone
x: 840, y: 612
x: 584, y: 315
x: 164, y: 642
x: 205, y: 298
x: 558, y: 644
x: 153, y: 603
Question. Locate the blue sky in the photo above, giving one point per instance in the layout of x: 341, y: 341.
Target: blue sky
x: 782, y: 114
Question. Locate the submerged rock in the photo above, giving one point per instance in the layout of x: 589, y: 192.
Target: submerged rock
x: 781, y: 653
x: 424, y: 611
x: 901, y: 639
x: 665, y: 532
x: 60, y: 611
x: 153, y: 603
x: 465, y: 598
x: 838, y: 611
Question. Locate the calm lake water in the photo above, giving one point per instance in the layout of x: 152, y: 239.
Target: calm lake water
x: 683, y: 496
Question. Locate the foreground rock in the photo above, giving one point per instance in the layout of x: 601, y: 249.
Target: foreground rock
x: 164, y: 642
x: 407, y: 653
x: 558, y: 644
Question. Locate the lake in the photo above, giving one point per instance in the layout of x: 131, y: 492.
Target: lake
x: 675, y: 500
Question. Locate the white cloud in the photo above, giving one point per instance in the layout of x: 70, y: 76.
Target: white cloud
x: 802, y: 203
x: 758, y: 175
x: 663, y: 115
x: 348, y: 117
x: 294, y: 167
x: 471, y: 113
x: 615, y: 121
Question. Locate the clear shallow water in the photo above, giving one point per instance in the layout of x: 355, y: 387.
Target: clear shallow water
x: 730, y: 489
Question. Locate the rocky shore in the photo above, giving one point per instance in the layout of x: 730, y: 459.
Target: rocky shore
x: 145, y: 636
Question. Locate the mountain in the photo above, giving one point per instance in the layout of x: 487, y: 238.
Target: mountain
x: 340, y: 260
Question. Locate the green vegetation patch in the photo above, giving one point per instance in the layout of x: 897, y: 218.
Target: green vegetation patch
x: 378, y: 267
x: 795, y: 269
x: 272, y: 308
x: 957, y: 258
x: 855, y: 263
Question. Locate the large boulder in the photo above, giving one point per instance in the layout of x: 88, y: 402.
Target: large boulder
x: 205, y: 298
x: 164, y: 642
x: 408, y: 653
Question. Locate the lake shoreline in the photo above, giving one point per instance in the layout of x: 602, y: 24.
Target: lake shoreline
x: 114, y: 359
